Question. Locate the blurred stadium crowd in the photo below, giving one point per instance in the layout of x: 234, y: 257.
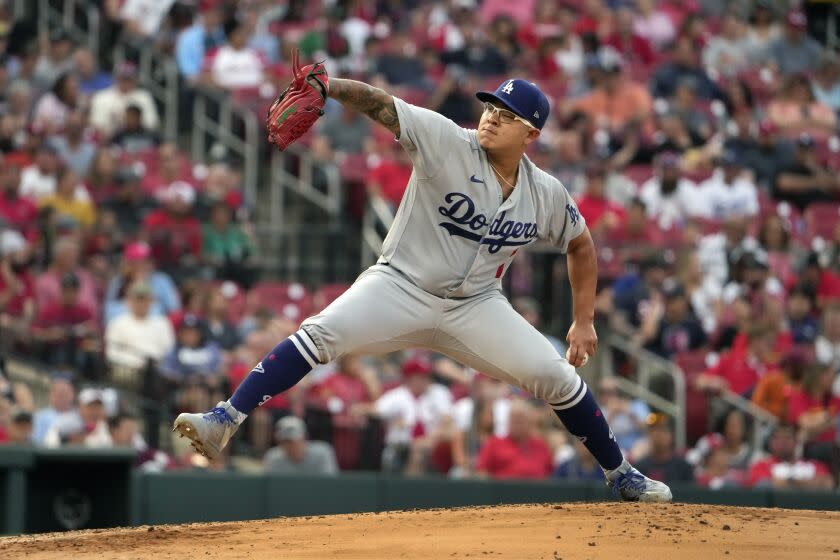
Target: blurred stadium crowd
x: 699, y: 139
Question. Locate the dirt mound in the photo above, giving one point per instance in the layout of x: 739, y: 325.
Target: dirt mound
x: 546, y: 531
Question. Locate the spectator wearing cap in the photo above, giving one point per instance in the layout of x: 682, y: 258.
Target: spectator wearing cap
x: 414, y: 410
x: 173, y: 232
x: 663, y: 461
x: 138, y: 266
x: 193, y: 355
x: 522, y: 453
x: 39, y: 179
x: 784, y: 469
x: 477, y: 52
x: 669, y: 326
x: 133, y: 137
x: 204, y: 35
x: 71, y: 200
x: 19, y: 428
x: 795, y: 110
x: 66, y: 258
x: 633, y: 47
x: 67, y: 330
x: 235, y: 65
x: 295, y: 455
x: 84, y: 426
x: 729, y: 192
x: 60, y: 400
x: 74, y: 150
x: 603, y: 215
x: 135, y: 337
x: 91, y: 78
x: 56, y: 61
x: 172, y: 168
x: 54, y: 107
x: 16, y: 211
x: 728, y: 53
x: 805, y: 180
x: 670, y: 198
x: 739, y: 371
x: 143, y: 19
x: 615, y: 102
x: 107, y: 109
x: 795, y: 52
x: 129, y: 203
x: 685, y: 63
x: 17, y: 293
x: 227, y: 247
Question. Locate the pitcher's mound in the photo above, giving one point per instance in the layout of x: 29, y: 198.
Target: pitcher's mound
x: 546, y: 531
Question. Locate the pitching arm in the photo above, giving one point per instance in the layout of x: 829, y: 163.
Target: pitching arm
x: 583, y: 278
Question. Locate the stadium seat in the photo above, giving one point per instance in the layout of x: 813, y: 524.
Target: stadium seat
x: 696, y: 402
x: 821, y: 220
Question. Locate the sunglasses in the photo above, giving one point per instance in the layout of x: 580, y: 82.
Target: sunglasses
x: 505, y: 116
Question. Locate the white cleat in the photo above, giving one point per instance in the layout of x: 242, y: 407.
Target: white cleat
x: 209, y: 431
x: 632, y: 486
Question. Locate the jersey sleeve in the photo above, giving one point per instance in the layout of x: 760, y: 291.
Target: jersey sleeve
x: 566, y: 221
x: 427, y: 136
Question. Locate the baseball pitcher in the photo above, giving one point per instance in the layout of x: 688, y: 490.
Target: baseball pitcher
x: 474, y: 199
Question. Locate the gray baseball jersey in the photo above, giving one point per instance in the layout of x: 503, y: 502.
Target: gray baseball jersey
x: 438, y: 282
x: 453, y: 235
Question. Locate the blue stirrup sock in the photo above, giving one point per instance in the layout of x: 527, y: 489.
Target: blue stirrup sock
x: 280, y: 370
x: 583, y: 418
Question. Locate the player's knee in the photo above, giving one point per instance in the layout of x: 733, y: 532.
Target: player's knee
x: 321, y: 338
x: 551, y: 380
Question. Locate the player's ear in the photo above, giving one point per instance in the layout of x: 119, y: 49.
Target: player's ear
x: 532, y: 136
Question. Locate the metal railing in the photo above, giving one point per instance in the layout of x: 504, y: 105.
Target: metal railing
x: 641, y: 386
x: 378, y: 217
x: 79, y: 18
x: 303, y: 183
x: 217, y: 119
x: 158, y: 74
x: 650, y: 369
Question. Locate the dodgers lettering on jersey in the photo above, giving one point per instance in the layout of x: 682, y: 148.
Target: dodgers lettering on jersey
x: 453, y: 235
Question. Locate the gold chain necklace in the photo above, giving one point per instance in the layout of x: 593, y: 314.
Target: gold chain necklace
x: 499, y: 175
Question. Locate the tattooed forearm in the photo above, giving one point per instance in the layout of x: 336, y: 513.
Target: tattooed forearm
x: 375, y: 103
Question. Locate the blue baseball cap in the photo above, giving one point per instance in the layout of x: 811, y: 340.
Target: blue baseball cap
x: 522, y: 97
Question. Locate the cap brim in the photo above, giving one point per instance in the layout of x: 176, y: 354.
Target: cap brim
x: 488, y: 96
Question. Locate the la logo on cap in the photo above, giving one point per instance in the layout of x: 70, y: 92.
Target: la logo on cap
x: 508, y: 87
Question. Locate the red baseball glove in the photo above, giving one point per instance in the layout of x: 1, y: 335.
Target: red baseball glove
x: 300, y: 104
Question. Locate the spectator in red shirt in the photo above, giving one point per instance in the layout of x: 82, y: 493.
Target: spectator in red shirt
x: 815, y: 411
x: 173, y: 232
x: 172, y: 168
x: 66, y: 254
x: 17, y: 293
x: 66, y: 330
x: 602, y: 215
x: 637, y: 230
x: 739, y: 372
x: 18, y: 212
x: 634, y: 47
x: 520, y: 454
x: 389, y: 179
x: 784, y: 470
x: 351, y: 383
